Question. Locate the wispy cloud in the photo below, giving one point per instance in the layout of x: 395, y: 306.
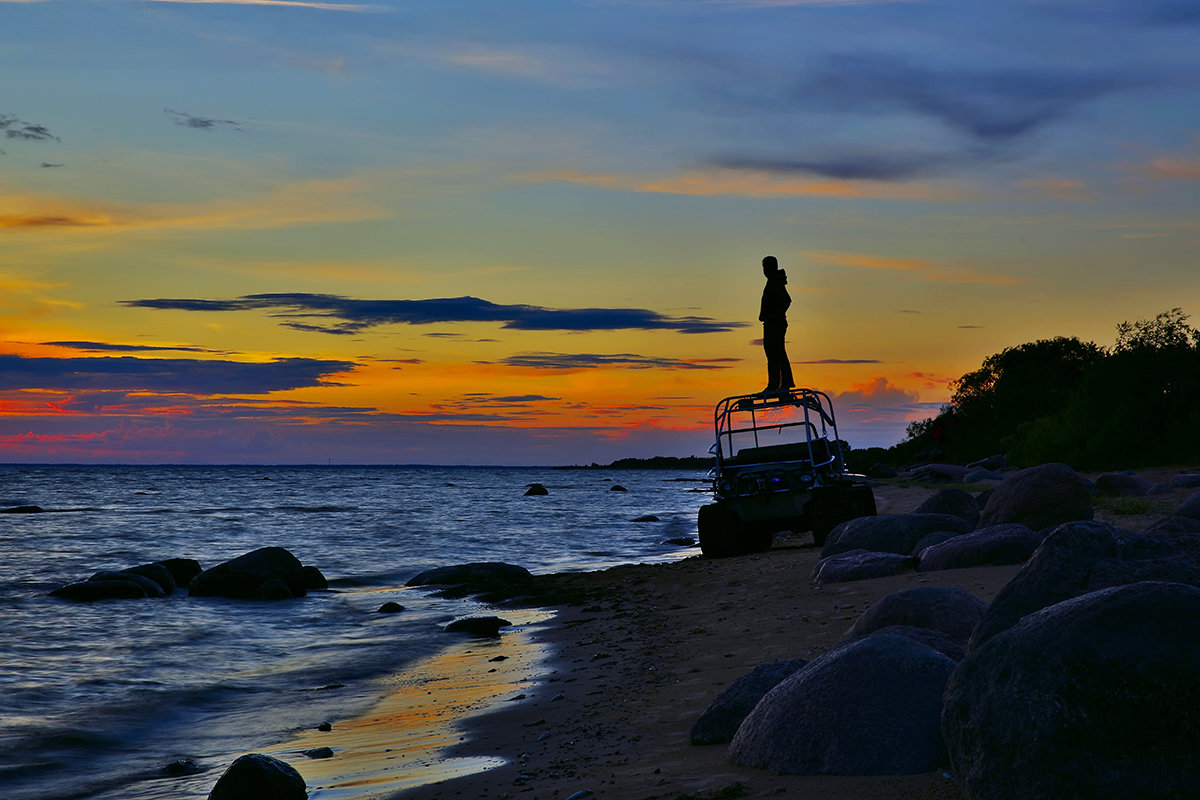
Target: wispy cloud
x: 925, y: 270
x: 841, y: 361
x: 185, y: 120
x: 745, y: 180
x: 108, y: 347
x: 352, y: 316
x: 277, y: 3
x: 20, y: 130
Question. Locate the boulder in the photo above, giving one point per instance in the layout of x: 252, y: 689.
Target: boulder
x: 616, y: 487
x: 939, y: 473
x: 157, y: 573
x: 22, y: 510
x: 1081, y: 557
x: 1189, y: 507
x: 1091, y: 698
x: 681, y: 541
x: 391, y: 607
x: 467, y: 574
x: 536, y: 490
x: 859, y: 565
x: 149, y: 586
x: 888, y: 533
x: 949, y: 610
x: 720, y: 721
x: 1039, y: 497
x: 89, y: 591
x: 1173, y: 524
x: 183, y: 570
x: 1185, y: 480
x: 274, y: 589
x: 243, y: 577
x: 257, y: 777
x: 646, y: 518
x: 955, y: 502
x: 999, y: 544
x: 1124, y: 484
x: 929, y: 540
x: 980, y: 475
x: 481, y: 627
x: 995, y: 462
x: 871, y: 707
x: 314, y: 580
x: 935, y: 640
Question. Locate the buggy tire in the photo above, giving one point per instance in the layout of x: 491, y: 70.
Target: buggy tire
x: 720, y: 528
x: 837, y: 503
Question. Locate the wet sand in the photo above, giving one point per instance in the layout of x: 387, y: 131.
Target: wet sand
x: 628, y: 665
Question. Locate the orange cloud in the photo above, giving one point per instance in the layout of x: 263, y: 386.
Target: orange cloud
x: 926, y: 270
x: 1059, y: 188
x: 742, y: 183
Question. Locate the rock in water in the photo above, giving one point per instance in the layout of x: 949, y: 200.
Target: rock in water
x: 259, y: 777
x: 1097, y: 697
x: 871, y: 707
x: 536, y: 490
x: 482, y: 627
x: 1039, y: 497
x: 243, y: 577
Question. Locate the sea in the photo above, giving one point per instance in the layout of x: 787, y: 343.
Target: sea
x: 116, y: 699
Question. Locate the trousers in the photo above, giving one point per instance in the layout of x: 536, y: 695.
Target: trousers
x: 779, y: 369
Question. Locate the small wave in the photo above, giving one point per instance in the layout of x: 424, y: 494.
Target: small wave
x: 319, y: 509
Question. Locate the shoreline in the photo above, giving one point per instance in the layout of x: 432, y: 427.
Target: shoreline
x: 630, y: 657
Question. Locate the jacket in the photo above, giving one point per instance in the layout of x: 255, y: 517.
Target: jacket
x: 775, y: 298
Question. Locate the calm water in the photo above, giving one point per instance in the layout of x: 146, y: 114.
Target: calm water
x: 96, y: 699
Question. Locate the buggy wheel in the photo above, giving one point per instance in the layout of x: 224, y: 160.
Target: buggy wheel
x: 719, y: 528
x: 838, y: 503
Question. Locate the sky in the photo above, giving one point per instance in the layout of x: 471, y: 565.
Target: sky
x: 530, y: 233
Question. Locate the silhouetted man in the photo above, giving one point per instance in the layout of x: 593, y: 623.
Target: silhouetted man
x: 773, y: 315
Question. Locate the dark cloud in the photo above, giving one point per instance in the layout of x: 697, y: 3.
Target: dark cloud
x: 990, y: 112
x: 43, y: 222
x: 200, y: 123
x: 192, y: 376
x: 15, y: 128
x: 349, y: 316
x: 101, y: 347
x: 593, y: 361
x: 48, y: 165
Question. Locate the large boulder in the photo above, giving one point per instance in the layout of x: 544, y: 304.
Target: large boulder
x: 91, y: 590
x: 859, y: 565
x: 487, y: 627
x: 935, y: 640
x: 243, y: 577
x: 1081, y: 557
x: 1039, y: 497
x: 183, y: 570
x: 1011, y: 543
x: 1189, y: 507
x: 950, y: 610
x: 939, y: 473
x: 494, y: 579
x: 889, y: 533
x: 149, y: 586
x: 1124, y: 484
x: 1097, y: 697
x: 157, y: 573
x: 259, y: 777
x: 955, y: 502
x: 720, y: 721
x: 871, y: 707
x: 1186, y: 480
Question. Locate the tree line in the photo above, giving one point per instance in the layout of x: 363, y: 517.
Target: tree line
x: 1134, y: 404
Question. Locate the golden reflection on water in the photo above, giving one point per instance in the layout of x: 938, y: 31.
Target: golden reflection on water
x: 400, y: 742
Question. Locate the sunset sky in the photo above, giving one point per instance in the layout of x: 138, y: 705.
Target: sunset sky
x: 428, y: 231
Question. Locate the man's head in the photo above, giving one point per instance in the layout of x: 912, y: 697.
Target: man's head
x: 770, y: 265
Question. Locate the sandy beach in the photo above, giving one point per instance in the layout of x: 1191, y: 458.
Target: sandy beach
x: 601, y: 696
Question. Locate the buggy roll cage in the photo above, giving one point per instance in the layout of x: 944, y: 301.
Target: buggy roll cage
x: 818, y: 421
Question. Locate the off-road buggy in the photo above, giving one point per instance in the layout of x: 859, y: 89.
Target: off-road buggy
x: 779, y: 467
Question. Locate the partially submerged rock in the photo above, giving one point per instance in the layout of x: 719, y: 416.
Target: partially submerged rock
x: 482, y: 627
x: 259, y: 777
x: 250, y: 576
x: 493, y: 578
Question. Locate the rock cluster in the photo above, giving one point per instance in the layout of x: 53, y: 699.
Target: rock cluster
x: 1081, y: 679
x: 269, y: 573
